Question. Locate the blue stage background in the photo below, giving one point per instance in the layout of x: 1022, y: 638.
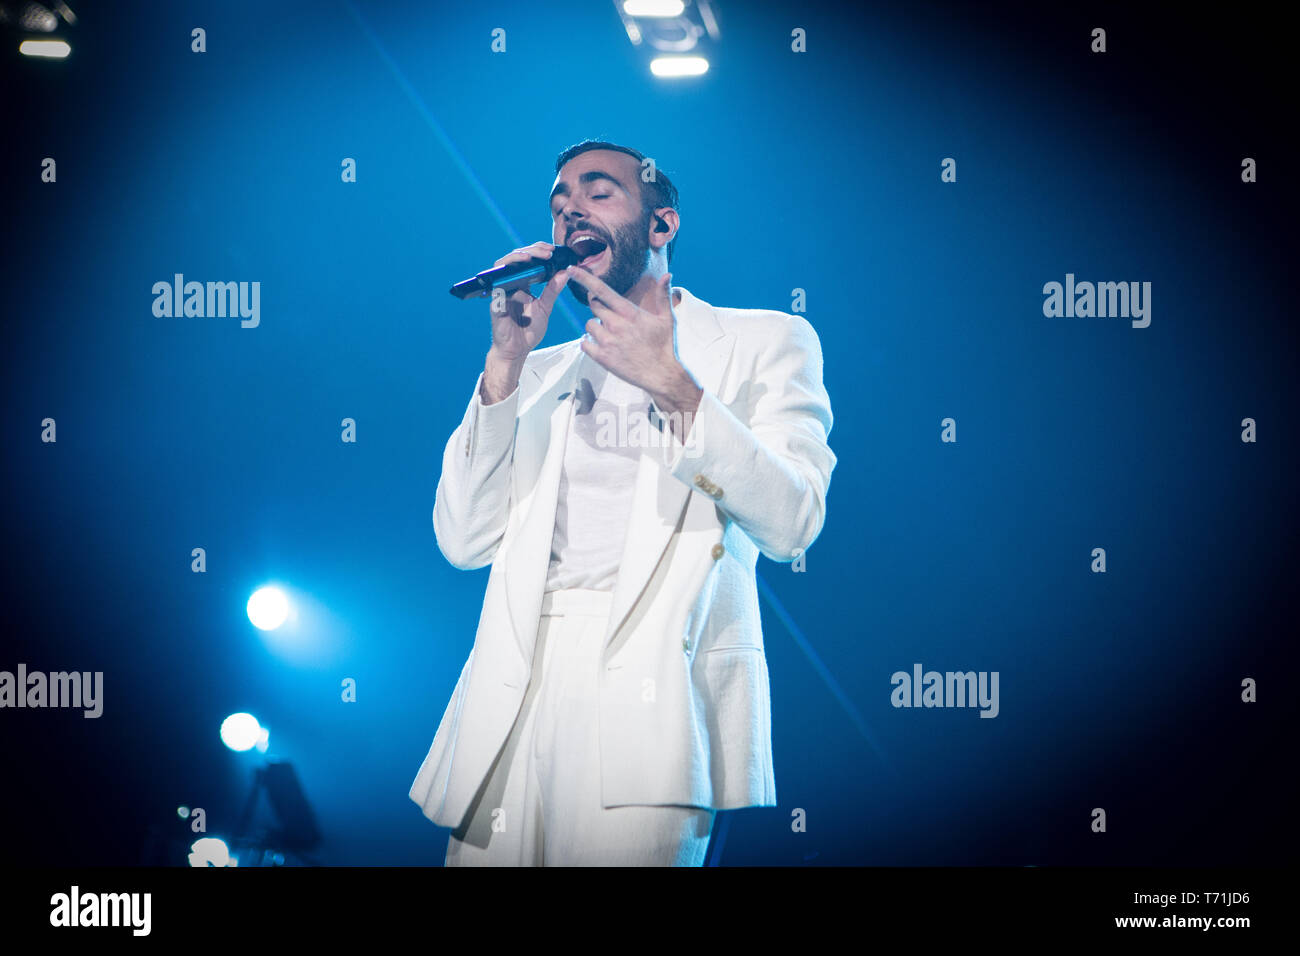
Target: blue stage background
x: 817, y: 171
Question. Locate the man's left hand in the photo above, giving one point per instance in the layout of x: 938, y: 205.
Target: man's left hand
x: 639, y: 344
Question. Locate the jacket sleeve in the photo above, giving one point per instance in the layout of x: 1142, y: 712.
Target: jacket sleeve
x: 770, y: 472
x: 472, y: 503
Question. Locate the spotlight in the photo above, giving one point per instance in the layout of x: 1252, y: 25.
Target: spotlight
x: 679, y: 66
x: 653, y: 8
x: 52, y: 49
x: 678, y: 34
x: 31, y: 17
x: 210, y: 851
x: 242, y: 732
x: 297, y: 832
x: 33, y: 23
x: 268, y: 608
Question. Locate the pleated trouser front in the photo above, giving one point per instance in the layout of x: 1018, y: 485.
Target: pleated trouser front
x: 541, y: 803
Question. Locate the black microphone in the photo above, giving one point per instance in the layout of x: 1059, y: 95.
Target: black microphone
x: 517, y: 275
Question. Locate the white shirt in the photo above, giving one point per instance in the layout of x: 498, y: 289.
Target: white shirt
x: 607, y: 435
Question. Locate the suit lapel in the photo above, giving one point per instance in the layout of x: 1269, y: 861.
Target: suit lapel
x: 528, y: 560
x: 658, y: 498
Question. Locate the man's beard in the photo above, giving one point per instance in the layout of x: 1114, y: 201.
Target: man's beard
x: 629, y: 255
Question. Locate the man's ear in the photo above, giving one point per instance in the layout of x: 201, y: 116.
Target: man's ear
x: 664, y: 223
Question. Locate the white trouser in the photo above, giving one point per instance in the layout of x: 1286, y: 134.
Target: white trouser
x: 540, y: 805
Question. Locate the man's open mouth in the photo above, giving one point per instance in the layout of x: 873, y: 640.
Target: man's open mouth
x: 588, y: 249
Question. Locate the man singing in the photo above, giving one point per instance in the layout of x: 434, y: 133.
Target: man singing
x: 622, y: 486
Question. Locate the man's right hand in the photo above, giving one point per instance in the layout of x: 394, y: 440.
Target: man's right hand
x: 518, y: 326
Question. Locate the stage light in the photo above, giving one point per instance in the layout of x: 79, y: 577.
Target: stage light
x: 31, y: 17
x: 653, y: 8
x: 679, y: 36
x: 268, y: 608
x: 679, y: 65
x: 54, y: 49
x: 298, y: 830
x: 211, y: 851
x: 242, y: 732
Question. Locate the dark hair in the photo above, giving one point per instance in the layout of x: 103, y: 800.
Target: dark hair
x: 654, y: 195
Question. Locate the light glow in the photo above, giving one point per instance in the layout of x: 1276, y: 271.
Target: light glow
x: 653, y: 8
x: 53, y: 49
x: 679, y: 66
x: 242, y: 732
x: 268, y: 608
x: 210, y: 851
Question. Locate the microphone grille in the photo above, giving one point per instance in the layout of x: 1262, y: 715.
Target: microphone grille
x: 563, y: 257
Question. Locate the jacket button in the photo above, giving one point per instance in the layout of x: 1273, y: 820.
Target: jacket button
x: 701, y: 481
x: 718, y: 551
x: 686, y: 643
x: 717, y: 493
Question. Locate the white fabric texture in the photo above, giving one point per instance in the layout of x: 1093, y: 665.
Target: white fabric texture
x: 541, y: 803
x: 597, y: 481
x: 684, y: 715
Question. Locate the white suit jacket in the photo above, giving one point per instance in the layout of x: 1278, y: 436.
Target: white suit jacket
x: 685, y: 712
